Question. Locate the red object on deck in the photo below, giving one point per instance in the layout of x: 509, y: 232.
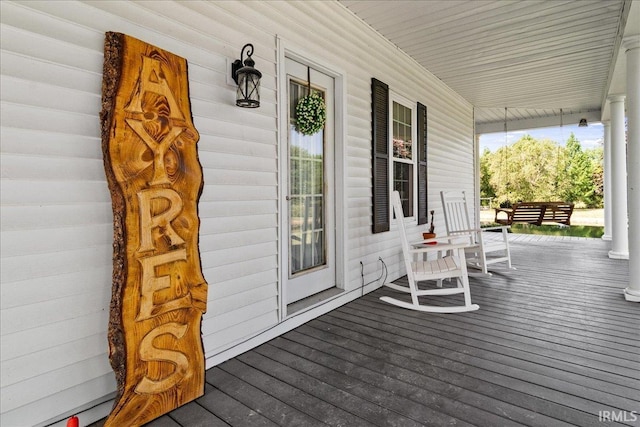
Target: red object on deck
x: 73, y: 422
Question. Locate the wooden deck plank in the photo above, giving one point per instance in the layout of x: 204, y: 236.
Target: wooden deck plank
x: 262, y: 402
x: 368, y: 412
x: 406, y: 365
x: 527, y: 298
x: 393, y: 381
x: 513, y: 310
x: 573, y: 338
x: 232, y: 411
x: 576, y: 396
x: 496, y: 311
x: 599, y: 353
x: 194, y: 415
x: 292, y: 396
x: 426, y: 408
x: 536, y: 353
x: 389, y: 342
x: 163, y: 421
x: 550, y: 333
x: 553, y: 344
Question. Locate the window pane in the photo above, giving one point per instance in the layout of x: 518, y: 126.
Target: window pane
x: 403, y: 170
x: 401, y: 132
x: 403, y: 183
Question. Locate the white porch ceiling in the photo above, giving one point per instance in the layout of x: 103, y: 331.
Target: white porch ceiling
x: 534, y: 57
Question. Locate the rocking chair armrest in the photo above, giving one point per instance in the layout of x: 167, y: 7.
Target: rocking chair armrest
x: 471, y: 235
x: 469, y: 231
x: 438, y: 248
x: 449, y: 238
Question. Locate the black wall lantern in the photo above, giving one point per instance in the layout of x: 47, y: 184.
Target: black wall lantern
x: 248, y: 80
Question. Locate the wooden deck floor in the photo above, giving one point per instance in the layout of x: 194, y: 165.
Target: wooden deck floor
x: 553, y: 344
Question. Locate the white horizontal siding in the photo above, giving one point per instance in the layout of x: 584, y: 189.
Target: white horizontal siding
x: 50, y: 193
x: 29, y: 217
x: 60, y: 75
x: 248, y: 267
x: 50, y: 119
x: 33, y: 142
x: 40, y: 314
x: 242, y: 300
x: 56, y: 208
x: 48, y: 336
x: 78, y: 390
x: 53, y: 264
x: 63, y: 169
x: 51, y: 382
x: 51, y: 359
x: 238, y: 285
x: 48, y: 96
x: 48, y: 288
x: 237, y: 332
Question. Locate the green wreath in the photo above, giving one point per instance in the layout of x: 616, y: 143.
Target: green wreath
x: 311, y: 114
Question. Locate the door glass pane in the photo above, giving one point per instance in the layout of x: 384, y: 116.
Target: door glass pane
x: 306, y: 192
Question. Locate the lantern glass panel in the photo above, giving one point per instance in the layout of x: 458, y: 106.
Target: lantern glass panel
x: 248, y: 94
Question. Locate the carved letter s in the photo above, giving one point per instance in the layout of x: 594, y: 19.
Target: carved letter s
x: 150, y: 353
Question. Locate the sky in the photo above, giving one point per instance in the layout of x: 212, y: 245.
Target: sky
x: 589, y: 137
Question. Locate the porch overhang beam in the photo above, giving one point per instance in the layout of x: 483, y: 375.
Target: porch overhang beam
x: 538, y: 122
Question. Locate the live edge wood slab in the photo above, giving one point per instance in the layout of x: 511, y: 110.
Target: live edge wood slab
x: 155, y: 178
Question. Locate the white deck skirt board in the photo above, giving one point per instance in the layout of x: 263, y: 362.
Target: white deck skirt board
x: 56, y: 209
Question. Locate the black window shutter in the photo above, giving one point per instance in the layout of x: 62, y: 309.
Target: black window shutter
x: 380, y: 155
x: 423, y: 214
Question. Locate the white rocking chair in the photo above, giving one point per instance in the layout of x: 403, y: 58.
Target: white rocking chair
x: 453, y: 265
x: 482, y: 242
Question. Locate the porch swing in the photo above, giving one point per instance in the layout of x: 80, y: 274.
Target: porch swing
x: 535, y: 213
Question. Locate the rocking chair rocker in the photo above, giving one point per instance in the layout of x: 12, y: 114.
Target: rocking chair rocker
x: 453, y: 265
x: 481, y: 243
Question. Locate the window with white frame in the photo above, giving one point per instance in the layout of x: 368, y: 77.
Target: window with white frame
x: 403, y: 135
x: 399, y: 156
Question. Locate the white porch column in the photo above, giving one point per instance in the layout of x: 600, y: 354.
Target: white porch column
x: 607, y: 181
x: 619, y: 228
x: 632, y: 47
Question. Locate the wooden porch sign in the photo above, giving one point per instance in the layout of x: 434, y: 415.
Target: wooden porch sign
x: 155, y: 180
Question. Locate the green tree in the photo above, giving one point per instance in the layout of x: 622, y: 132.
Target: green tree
x: 527, y: 170
x: 542, y: 170
x: 596, y: 196
x: 579, y: 174
x: 486, y: 189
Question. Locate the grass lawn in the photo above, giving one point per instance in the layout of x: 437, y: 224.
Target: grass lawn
x: 554, y: 230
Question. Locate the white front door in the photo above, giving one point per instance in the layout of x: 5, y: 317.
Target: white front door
x: 310, y: 193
